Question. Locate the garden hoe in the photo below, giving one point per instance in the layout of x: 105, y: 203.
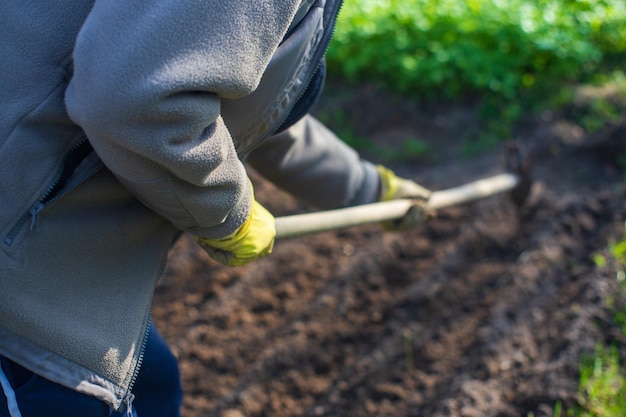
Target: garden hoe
x: 517, y: 181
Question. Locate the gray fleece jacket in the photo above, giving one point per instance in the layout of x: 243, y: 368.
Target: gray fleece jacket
x: 125, y: 123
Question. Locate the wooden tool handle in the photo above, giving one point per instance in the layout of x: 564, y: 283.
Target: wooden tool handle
x: 323, y: 221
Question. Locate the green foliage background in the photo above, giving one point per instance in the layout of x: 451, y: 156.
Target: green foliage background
x: 503, y: 48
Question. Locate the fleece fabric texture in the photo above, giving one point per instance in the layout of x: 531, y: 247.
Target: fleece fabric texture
x: 308, y: 157
x: 83, y: 241
x: 149, y: 77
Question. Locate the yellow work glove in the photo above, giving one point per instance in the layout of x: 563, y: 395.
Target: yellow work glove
x: 393, y: 187
x: 253, y: 240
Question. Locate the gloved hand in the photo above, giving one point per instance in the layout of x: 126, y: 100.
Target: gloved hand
x: 393, y: 187
x: 253, y: 240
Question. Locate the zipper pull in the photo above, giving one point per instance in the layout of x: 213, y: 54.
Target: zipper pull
x: 34, y: 212
x: 129, y: 404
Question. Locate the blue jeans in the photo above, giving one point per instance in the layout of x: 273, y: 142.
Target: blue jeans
x: 157, y: 390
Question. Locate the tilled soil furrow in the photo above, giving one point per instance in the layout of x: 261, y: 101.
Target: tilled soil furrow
x: 483, y: 311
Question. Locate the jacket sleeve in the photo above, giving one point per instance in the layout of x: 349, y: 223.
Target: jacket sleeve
x: 311, y: 163
x: 148, y: 79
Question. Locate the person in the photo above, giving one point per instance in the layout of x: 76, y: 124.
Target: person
x: 125, y: 124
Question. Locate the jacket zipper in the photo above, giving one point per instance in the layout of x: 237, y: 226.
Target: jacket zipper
x: 130, y: 397
x: 327, y: 37
x: 53, y: 194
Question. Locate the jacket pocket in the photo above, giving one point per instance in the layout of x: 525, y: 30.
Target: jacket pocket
x: 78, y: 165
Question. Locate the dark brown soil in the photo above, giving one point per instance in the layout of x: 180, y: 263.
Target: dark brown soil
x: 483, y: 311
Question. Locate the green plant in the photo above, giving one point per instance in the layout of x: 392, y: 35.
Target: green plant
x: 515, y: 55
x: 599, y: 260
x: 558, y: 409
x: 618, y: 251
x: 616, y: 259
x: 451, y: 47
x: 602, y: 385
x: 600, y: 102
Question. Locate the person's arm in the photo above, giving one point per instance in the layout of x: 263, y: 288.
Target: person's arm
x: 147, y: 83
x: 311, y: 163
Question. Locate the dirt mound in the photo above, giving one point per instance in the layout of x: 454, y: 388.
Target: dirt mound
x: 485, y: 311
